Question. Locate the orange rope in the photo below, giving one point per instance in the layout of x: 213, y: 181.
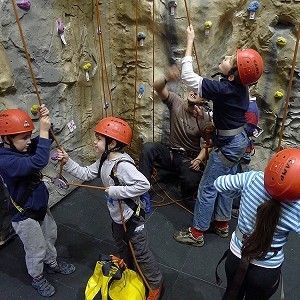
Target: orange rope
x: 133, y: 254
x: 101, y: 77
x: 153, y: 72
x: 136, y: 62
x: 87, y: 186
x: 32, y: 73
x: 189, y: 20
x: 103, y: 60
x: 172, y: 200
x: 289, y: 89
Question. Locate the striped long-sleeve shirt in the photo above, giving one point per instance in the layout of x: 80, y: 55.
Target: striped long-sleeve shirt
x: 250, y: 186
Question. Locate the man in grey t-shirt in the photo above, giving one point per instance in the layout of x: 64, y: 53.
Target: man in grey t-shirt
x: 183, y: 154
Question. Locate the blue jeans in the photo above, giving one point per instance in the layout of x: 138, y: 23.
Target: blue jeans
x: 211, y: 205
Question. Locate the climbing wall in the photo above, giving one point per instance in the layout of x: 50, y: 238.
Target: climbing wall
x: 93, y: 59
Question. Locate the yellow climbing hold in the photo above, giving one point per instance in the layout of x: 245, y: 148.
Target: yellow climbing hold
x: 207, y: 24
x: 281, y: 41
x: 87, y: 67
x: 278, y: 95
x: 34, y: 109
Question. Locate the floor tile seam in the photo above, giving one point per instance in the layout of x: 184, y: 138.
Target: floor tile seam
x: 190, y: 275
x: 61, y: 283
x: 10, y: 256
x: 86, y: 234
x: 203, y: 280
x: 11, y: 296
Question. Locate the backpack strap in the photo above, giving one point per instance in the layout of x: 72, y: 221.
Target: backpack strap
x: 32, y: 183
x: 138, y: 211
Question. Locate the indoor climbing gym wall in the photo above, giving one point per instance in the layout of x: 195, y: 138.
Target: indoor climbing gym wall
x: 90, y: 59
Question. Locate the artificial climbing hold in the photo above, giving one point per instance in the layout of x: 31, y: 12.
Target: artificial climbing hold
x: 71, y: 125
x: 34, y: 109
x: 141, y: 37
x: 54, y: 156
x: 172, y: 6
x: 141, y: 138
x: 207, y: 26
x: 278, y: 95
x: 252, y: 8
x: 106, y: 105
x: 281, y: 41
x: 61, y: 30
x: 86, y: 69
x: 141, y: 91
x: 24, y: 4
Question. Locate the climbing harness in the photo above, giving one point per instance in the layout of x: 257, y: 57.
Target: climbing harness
x: 229, y: 132
x: 131, y: 224
x: 32, y: 183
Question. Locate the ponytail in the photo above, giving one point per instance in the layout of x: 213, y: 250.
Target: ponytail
x: 258, y: 244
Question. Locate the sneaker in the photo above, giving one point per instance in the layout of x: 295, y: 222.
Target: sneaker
x: 222, y: 232
x: 185, y: 236
x: 155, y: 295
x: 62, y: 268
x: 43, y: 287
x: 235, y: 213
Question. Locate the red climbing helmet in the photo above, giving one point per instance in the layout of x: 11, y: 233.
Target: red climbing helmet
x: 250, y: 65
x: 115, y: 128
x: 14, y: 121
x: 281, y: 178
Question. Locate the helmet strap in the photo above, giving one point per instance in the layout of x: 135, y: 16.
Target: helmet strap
x: 11, y: 145
x: 231, y: 72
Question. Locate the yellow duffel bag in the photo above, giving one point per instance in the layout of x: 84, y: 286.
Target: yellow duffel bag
x: 114, y: 281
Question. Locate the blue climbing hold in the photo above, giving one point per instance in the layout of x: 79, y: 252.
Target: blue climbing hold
x: 253, y: 6
x: 141, y: 89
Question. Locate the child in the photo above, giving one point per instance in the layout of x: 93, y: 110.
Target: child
x: 230, y: 102
x: 125, y: 184
x: 269, y: 211
x: 21, y: 162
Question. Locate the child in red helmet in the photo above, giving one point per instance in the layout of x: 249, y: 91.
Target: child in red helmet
x: 21, y: 162
x: 125, y: 184
x: 269, y: 211
x: 230, y: 102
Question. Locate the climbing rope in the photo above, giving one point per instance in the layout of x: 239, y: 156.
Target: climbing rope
x: 103, y: 60
x: 289, y: 89
x: 136, y: 63
x: 162, y: 202
x: 132, y: 252
x: 32, y: 74
x: 153, y: 68
x: 195, y: 51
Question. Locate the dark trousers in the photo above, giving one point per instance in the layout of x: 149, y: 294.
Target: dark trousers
x: 160, y: 154
x: 259, y: 284
x: 143, y: 254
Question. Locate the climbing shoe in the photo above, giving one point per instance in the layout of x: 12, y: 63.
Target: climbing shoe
x: 43, y: 287
x: 156, y: 294
x: 185, y: 236
x: 223, y: 230
x: 61, y: 267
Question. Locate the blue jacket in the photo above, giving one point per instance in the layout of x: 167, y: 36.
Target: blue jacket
x: 16, y: 168
x: 230, y: 102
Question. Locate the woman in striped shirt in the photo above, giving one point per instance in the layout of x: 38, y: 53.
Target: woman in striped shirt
x: 269, y: 211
